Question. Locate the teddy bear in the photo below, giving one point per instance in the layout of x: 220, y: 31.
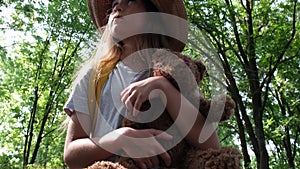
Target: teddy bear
x: 176, y: 67
x: 223, y: 158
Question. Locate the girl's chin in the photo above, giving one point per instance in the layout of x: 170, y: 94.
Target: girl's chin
x: 118, y: 36
x: 123, y: 34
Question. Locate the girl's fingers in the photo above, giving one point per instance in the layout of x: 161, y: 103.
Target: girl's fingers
x: 137, y: 105
x: 135, y: 112
x: 143, y: 163
x: 166, y: 157
x: 132, y: 98
x: 148, y: 163
x: 155, y: 161
x: 124, y: 91
x: 128, y: 99
x: 154, y: 149
x: 124, y: 95
x: 128, y: 104
x: 160, y: 134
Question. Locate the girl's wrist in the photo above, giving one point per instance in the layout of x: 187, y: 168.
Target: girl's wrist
x: 159, y: 88
x: 123, y: 131
x: 162, y: 83
x: 114, y: 140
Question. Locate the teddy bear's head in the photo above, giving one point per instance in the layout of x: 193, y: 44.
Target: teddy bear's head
x: 182, y: 71
x: 177, y: 65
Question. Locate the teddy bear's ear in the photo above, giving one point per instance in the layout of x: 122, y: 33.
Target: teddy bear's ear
x: 201, y: 68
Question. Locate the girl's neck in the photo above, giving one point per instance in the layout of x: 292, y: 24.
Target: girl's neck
x: 127, y: 49
x: 129, y: 46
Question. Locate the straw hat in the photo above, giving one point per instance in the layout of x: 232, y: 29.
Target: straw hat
x: 98, y: 11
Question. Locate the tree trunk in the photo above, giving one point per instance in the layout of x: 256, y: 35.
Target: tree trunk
x: 247, y: 160
x: 30, y: 128
x: 252, y: 74
x: 40, y: 135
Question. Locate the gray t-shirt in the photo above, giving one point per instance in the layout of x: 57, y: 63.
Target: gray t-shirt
x: 111, y: 110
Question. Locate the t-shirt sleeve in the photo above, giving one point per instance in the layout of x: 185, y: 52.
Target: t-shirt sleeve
x: 78, y: 99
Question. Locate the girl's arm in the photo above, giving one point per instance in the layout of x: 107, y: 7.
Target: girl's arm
x: 80, y: 151
x: 185, y: 113
x: 179, y: 107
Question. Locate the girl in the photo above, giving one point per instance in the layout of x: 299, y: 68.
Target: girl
x: 98, y: 136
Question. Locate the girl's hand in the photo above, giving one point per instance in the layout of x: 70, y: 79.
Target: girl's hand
x: 137, y: 93
x: 142, y: 146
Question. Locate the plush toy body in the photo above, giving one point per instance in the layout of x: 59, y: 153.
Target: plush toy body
x: 172, y: 65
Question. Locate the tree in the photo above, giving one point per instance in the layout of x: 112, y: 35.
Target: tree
x: 254, y: 40
x: 37, y: 71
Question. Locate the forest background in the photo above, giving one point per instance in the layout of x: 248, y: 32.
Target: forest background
x: 257, y: 43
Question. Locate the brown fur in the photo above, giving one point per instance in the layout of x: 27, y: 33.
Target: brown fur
x: 183, y: 155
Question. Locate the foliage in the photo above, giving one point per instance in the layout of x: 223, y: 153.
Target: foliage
x: 37, y: 67
x: 258, y: 45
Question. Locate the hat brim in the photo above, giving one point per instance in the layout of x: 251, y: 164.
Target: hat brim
x: 98, y: 13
